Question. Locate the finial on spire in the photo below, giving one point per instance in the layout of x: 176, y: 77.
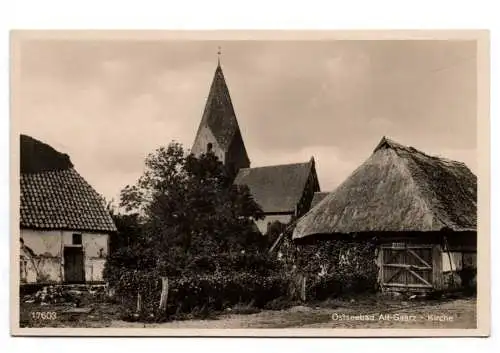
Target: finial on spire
x: 219, y: 52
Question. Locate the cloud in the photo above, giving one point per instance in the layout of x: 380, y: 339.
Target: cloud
x: 109, y: 103
x: 331, y: 167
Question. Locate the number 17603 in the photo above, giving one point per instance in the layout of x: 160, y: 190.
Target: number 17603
x: 43, y: 315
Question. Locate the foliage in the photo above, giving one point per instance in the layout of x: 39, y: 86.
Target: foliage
x: 129, y: 230
x: 191, y: 205
x: 190, y: 209
x: 200, y: 294
x: 333, y: 266
x: 198, y: 230
x: 468, y: 277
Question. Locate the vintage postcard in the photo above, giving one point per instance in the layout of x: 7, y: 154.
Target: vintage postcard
x: 250, y: 183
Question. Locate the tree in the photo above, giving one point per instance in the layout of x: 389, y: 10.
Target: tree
x: 191, y: 209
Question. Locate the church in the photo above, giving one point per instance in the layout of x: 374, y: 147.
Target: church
x: 284, y: 192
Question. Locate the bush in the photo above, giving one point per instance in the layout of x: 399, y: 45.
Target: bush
x: 468, y: 278
x: 256, y: 262
x: 281, y: 303
x: 333, y: 267
x: 337, y: 284
x: 199, y: 294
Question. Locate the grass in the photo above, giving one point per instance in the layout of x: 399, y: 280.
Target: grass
x: 277, y: 314
x: 100, y: 315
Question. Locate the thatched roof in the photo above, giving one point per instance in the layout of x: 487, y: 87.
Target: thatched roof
x: 276, y: 188
x: 54, y: 196
x: 37, y: 157
x: 318, y: 197
x: 397, y: 189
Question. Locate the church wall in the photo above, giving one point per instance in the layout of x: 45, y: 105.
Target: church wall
x: 268, y: 219
x: 203, y: 138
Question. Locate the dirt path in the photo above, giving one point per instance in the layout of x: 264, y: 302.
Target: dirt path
x: 459, y: 313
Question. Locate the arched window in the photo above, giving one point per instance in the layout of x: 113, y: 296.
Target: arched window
x: 209, y: 147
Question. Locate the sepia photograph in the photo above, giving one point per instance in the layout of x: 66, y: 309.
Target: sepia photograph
x: 249, y: 183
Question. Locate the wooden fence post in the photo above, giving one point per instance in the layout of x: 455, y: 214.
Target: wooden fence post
x: 139, y: 303
x: 303, y: 289
x: 164, y: 294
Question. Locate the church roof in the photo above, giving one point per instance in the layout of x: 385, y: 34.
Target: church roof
x: 318, y: 197
x: 397, y: 189
x: 219, y: 113
x: 54, y: 195
x: 276, y: 188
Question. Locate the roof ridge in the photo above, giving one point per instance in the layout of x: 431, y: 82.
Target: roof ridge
x: 385, y: 141
x: 278, y: 165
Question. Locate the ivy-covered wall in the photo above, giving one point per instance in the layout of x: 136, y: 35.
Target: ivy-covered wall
x: 332, y: 267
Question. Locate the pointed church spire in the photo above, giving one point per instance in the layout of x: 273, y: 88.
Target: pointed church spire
x: 219, y: 128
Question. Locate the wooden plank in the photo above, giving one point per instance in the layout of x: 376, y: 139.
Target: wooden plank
x: 380, y: 260
x: 303, y: 289
x: 409, y: 289
x: 437, y: 270
x: 414, y: 267
x: 409, y: 246
x: 164, y: 294
x: 419, y: 258
x: 419, y: 277
x: 399, y: 285
x: 396, y: 253
x: 394, y: 275
x: 398, y: 262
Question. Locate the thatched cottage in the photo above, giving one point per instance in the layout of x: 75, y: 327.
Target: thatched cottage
x: 318, y: 197
x: 283, y: 191
x: 64, y: 225
x: 422, y: 211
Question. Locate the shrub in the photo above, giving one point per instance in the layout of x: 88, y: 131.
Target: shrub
x: 281, y: 303
x: 333, y: 267
x: 199, y: 294
x: 337, y: 284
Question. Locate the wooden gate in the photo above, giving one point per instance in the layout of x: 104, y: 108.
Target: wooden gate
x: 406, y: 267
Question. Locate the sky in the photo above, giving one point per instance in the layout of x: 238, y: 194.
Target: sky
x: 108, y: 103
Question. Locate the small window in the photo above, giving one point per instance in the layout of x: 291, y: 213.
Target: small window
x: 77, y: 239
x: 209, y: 147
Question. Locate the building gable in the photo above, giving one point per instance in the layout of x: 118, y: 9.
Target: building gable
x: 281, y: 189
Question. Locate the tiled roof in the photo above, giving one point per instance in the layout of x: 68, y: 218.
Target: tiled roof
x: 55, y: 196
x: 276, y: 188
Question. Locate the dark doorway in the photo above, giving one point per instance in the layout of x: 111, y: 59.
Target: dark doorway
x: 74, y: 271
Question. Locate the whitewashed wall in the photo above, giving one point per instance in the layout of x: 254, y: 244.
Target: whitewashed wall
x: 203, y: 139
x: 48, y: 246
x: 457, y: 260
x: 262, y: 224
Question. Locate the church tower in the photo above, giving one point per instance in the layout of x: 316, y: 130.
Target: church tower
x: 219, y: 131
